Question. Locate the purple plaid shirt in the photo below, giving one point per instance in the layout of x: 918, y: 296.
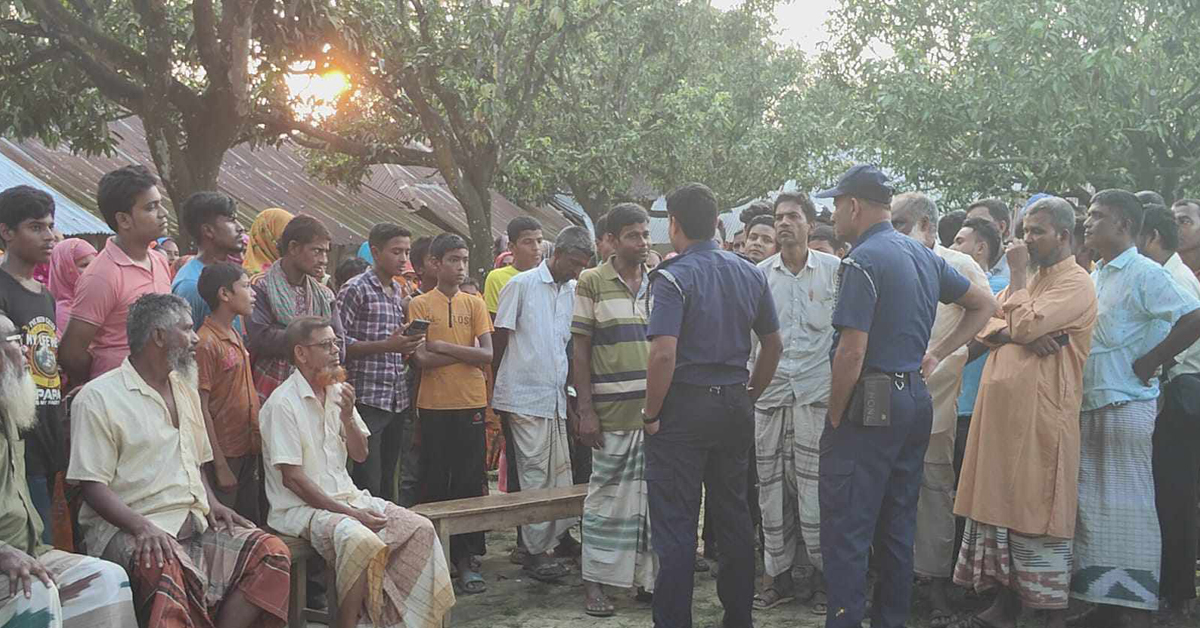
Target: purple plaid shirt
x: 367, y: 313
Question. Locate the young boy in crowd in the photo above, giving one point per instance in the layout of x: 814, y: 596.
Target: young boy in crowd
x: 452, y: 395
x: 228, y: 399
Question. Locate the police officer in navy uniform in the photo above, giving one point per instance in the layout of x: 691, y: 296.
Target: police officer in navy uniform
x: 888, y: 290
x: 699, y: 408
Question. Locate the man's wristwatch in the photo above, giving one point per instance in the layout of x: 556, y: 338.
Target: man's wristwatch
x: 647, y: 419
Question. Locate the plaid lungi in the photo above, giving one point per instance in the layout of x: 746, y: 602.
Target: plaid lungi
x: 787, y: 453
x: 616, y: 515
x: 1036, y: 568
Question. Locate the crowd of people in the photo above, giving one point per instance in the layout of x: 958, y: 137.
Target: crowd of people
x: 998, y: 400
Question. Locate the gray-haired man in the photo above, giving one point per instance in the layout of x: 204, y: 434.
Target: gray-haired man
x: 533, y: 326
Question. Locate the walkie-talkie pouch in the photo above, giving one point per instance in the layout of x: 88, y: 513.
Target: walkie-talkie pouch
x: 871, y: 402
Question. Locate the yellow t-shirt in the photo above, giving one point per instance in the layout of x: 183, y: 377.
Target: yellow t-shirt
x: 460, y: 321
x: 496, y: 281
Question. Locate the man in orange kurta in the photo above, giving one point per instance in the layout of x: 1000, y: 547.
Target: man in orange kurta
x: 1018, y: 487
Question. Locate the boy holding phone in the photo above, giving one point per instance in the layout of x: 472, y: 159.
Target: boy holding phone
x: 370, y: 308
x: 453, y: 395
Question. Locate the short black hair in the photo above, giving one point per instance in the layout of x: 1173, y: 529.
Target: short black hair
x: 420, y: 250
x: 754, y: 210
x: 1159, y: 218
x: 805, y: 203
x: 1187, y: 201
x: 302, y: 230
x: 383, y: 233
x: 826, y: 233
x: 519, y: 225
x: 997, y: 208
x: 217, y: 276
x: 445, y: 243
x: 761, y: 220
x: 1125, y: 202
x: 949, y: 225
x: 986, y: 230
x: 22, y: 202
x: 203, y: 208
x: 300, y: 330
x: 1150, y: 197
x: 348, y: 269
x: 601, y: 226
x: 621, y: 216
x: 469, y: 281
x: 119, y: 189
x: 694, y: 207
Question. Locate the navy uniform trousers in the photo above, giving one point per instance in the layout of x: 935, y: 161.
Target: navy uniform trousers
x: 705, y: 436
x: 869, y: 482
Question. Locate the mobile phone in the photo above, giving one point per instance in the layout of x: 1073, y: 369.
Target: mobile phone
x: 1063, y: 339
x: 417, y: 327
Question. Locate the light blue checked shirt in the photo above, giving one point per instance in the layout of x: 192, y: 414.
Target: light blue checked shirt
x: 1136, y: 297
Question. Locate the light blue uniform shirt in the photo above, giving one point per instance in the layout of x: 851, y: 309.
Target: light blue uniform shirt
x: 1139, y: 301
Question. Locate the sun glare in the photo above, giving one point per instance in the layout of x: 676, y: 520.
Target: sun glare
x: 318, y: 93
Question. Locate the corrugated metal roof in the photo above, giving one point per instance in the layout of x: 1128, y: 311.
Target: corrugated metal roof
x: 415, y: 198
x: 69, y: 217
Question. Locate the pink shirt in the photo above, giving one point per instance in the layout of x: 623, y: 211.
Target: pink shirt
x: 105, y: 291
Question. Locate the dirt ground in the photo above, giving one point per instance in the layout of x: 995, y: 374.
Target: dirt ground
x: 513, y: 600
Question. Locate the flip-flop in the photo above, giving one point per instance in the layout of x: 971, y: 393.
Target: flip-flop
x: 701, y: 564
x: 472, y: 583
x: 940, y: 618
x: 819, y: 603
x: 644, y: 596
x: 770, y: 598
x: 599, y: 608
x: 550, y: 572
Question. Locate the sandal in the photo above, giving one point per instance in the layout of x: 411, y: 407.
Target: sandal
x: 701, y: 564
x: 518, y: 556
x: 602, y: 607
x: 472, y: 583
x: 771, y: 597
x: 550, y: 572
x: 820, y: 603
x: 940, y: 618
x: 644, y: 596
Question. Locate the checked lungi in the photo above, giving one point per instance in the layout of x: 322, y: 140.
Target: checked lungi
x: 408, y: 581
x: 543, y: 461
x: 1036, y: 568
x: 616, y: 515
x: 787, y: 444
x: 1117, y: 537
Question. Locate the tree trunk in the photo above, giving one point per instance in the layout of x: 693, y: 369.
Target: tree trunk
x: 183, y: 171
x: 477, y: 205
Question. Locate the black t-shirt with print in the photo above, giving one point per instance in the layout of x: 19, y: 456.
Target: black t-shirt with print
x: 33, y: 314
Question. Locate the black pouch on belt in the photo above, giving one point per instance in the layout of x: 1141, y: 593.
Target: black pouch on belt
x: 871, y: 402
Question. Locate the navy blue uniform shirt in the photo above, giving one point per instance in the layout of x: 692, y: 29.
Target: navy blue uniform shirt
x: 889, y: 286
x: 710, y: 300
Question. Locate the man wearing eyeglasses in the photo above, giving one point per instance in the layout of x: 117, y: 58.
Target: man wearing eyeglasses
x: 309, y: 428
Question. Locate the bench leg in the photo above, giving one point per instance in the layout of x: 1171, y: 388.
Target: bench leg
x: 298, y: 594
x: 443, y: 533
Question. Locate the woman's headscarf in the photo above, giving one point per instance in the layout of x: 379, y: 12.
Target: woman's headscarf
x: 263, y: 249
x: 64, y: 274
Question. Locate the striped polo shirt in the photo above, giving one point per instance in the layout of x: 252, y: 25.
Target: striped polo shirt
x: 615, y: 319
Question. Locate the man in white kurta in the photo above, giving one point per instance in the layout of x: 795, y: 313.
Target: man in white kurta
x: 388, y: 562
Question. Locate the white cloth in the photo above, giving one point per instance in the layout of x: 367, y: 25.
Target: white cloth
x: 1189, y: 359
x: 123, y: 437
x: 297, y: 430
x: 543, y: 461
x: 787, y: 442
x: 537, y: 311
x: 804, y: 303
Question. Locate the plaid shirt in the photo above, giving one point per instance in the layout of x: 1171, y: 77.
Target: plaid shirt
x: 367, y: 313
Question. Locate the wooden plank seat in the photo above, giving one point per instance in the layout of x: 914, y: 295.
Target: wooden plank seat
x: 298, y: 614
x: 500, y: 511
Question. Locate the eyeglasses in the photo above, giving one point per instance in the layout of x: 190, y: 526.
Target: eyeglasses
x: 328, y: 345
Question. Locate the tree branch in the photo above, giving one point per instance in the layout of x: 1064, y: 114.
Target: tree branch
x: 35, y: 59
x: 206, y: 37
x: 325, y: 140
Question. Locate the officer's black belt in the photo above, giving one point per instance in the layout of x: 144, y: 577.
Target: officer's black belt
x: 900, y: 379
x: 711, y: 390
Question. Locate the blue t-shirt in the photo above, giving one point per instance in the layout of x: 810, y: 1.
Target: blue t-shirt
x: 710, y: 300
x: 889, y: 286
x: 186, y: 285
x: 973, y: 371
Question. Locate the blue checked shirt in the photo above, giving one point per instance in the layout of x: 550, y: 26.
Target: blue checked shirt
x: 368, y: 314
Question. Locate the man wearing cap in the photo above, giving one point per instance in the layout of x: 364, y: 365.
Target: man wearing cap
x: 699, y: 413
x: 880, y: 412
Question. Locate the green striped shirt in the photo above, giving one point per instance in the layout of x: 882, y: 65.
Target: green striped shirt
x: 615, y: 320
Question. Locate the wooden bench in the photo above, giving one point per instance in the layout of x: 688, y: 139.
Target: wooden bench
x: 298, y: 614
x: 500, y: 511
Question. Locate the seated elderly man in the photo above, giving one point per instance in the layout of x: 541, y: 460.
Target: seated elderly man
x: 137, y: 444
x: 39, y: 586
x: 389, y: 566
